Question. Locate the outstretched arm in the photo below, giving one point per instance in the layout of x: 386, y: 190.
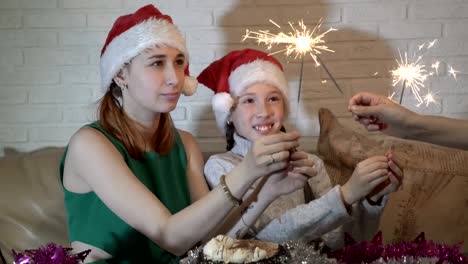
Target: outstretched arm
x: 378, y: 113
x: 93, y: 160
x: 310, y: 220
x: 256, y: 200
x: 440, y: 130
x: 266, y: 190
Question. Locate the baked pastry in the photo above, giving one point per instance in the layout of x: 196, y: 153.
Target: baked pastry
x: 229, y: 250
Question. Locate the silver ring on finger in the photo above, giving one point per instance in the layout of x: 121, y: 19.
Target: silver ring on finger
x: 272, y: 159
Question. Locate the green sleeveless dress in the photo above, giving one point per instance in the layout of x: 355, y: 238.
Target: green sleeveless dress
x: 91, y: 221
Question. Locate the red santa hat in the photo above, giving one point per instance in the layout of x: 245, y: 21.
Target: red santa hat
x: 133, y: 33
x: 236, y: 71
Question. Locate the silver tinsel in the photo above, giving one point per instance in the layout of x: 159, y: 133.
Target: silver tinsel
x: 302, y: 253
x: 293, y: 252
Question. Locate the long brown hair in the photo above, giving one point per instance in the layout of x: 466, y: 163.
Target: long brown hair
x: 115, y: 121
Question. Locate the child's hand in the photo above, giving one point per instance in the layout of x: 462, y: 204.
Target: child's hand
x: 269, y: 154
x: 301, y: 168
x: 283, y: 182
x: 366, y: 176
x: 301, y: 164
x: 395, y: 176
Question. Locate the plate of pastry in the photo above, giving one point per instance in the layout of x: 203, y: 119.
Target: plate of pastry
x: 225, y: 249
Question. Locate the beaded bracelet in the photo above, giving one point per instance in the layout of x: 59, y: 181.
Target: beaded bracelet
x: 228, y: 193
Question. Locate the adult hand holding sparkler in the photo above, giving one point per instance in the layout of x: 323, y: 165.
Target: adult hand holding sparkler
x: 379, y: 113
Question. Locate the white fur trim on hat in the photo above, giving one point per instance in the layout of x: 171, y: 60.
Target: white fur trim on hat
x: 255, y: 72
x: 222, y: 104
x: 133, y: 41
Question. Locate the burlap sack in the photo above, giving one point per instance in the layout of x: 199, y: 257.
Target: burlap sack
x: 434, y: 195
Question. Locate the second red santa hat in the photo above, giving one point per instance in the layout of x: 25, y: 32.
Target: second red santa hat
x: 236, y: 71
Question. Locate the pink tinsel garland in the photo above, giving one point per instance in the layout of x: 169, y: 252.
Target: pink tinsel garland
x: 49, y: 254
x: 370, y: 251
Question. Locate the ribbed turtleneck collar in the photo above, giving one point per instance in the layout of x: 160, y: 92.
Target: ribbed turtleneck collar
x: 241, y: 145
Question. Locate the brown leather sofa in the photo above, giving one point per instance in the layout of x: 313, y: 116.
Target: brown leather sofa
x: 32, y: 212
x: 31, y: 201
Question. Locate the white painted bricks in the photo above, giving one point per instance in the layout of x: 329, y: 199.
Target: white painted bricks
x: 49, y: 57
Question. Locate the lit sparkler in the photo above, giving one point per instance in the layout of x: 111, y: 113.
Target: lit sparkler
x: 413, y: 74
x: 300, y: 42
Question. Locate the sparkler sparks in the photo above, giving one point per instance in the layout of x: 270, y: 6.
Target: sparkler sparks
x: 300, y: 41
x: 410, y: 74
x: 413, y: 74
x: 453, y: 72
x: 428, y: 99
x: 435, y: 66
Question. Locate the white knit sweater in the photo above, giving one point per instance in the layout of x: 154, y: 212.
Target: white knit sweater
x: 288, y: 218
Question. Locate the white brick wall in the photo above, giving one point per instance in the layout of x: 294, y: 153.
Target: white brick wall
x: 49, y: 57
x: 379, y: 11
x: 10, y: 20
x: 38, y: 4
x: 54, y: 19
x: 27, y: 38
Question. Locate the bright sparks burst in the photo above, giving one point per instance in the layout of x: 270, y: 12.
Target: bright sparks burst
x: 413, y: 74
x: 300, y: 41
x: 435, y: 66
x: 428, y: 99
x: 453, y: 72
x: 410, y: 74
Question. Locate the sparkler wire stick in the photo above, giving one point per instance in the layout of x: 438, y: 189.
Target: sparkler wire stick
x: 300, y: 80
x: 328, y: 73
x: 402, y: 91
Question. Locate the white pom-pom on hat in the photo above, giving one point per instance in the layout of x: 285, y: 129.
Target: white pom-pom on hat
x: 222, y: 104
